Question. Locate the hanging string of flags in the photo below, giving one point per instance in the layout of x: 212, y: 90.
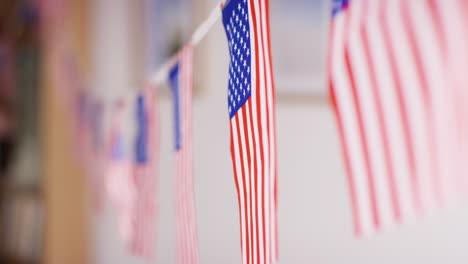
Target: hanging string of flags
x: 398, y: 91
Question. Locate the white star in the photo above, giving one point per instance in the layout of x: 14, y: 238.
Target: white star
x: 245, y: 64
x: 238, y: 6
x: 248, y: 69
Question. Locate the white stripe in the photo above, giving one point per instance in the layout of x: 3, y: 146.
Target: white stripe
x: 386, y: 86
x: 248, y: 187
x: 190, y: 151
x: 253, y: 102
x: 185, y: 173
x: 374, y: 135
x: 453, y: 19
x: 350, y: 128
x: 432, y: 62
x: 256, y: 36
x: 193, y: 236
x: 257, y: 178
x: 412, y: 89
x: 242, y: 202
x: 270, y: 178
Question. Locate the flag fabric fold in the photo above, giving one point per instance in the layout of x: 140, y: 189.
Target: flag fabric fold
x: 181, y: 82
x: 251, y: 106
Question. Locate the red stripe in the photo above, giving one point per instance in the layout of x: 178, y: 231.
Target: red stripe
x: 438, y: 26
x: 415, y: 184
x: 344, y: 142
x: 248, y: 120
x: 346, y: 153
x: 275, y: 159
x: 265, y: 78
x: 436, y: 181
x: 257, y: 91
x: 267, y: 105
x: 363, y: 133
x: 247, y: 228
x: 253, y: 193
x: 233, y: 159
x: 363, y: 137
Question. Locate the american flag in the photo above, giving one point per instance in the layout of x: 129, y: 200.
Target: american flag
x: 119, y: 181
x: 394, y: 101
x: 180, y: 78
x: 251, y: 103
x: 144, y: 175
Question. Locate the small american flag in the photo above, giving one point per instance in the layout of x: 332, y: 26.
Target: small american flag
x: 251, y: 101
x: 394, y: 102
x: 144, y: 176
x: 180, y: 78
x: 119, y: 180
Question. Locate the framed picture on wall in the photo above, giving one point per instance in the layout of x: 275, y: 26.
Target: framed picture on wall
x: 299, y: 42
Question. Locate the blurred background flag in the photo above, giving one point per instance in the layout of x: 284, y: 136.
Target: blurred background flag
x: 96, y: 158
x: 181, y: 82
x: 395, y: 105
x: 144, y: 214
x: 119, y: 181
x: 251, y: 103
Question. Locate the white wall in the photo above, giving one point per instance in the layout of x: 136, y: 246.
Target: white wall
x: 314, y: 212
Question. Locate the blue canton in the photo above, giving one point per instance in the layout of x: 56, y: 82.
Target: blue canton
x: 175, y: 88
x: 141, y: 149
x: 237, y: 27
x: 339, y: 5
